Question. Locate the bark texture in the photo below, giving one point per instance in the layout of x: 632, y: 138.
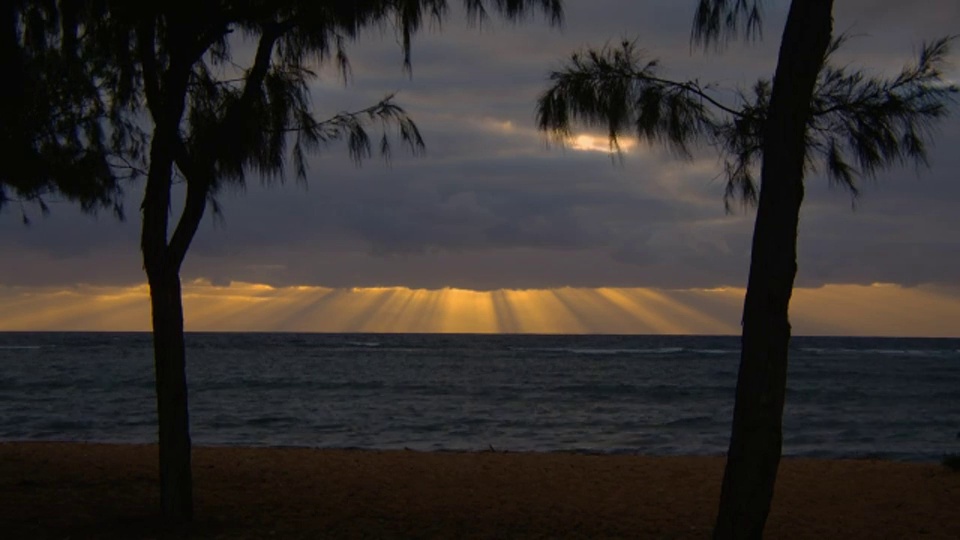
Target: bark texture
x: 756, y: 439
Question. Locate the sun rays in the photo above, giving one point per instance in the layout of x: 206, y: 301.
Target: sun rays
x: 832, y: 309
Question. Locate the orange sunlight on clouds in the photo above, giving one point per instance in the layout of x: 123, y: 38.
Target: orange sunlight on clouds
x: 834, y: 309
x: 593, y: 143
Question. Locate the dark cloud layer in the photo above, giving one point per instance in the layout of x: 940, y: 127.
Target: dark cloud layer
x: 493, y: 205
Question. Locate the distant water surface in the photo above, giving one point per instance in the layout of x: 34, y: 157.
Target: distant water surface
x: 847, y: 397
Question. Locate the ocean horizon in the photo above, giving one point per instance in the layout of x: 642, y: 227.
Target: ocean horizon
x: 847, y: 397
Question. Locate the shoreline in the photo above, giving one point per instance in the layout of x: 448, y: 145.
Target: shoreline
x: 95, y: 490
x: 927, y: 459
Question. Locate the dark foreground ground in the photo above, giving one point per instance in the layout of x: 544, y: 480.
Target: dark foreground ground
x: 69, y: 490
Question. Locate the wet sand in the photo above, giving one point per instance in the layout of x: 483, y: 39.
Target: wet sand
x: 72, y: 490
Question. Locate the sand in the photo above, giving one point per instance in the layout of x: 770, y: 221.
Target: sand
x: 71, y: 490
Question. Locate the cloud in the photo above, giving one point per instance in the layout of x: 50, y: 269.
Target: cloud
x: 494, y: 205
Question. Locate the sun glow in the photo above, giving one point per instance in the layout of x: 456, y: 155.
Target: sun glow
x: 592, y: 143
x: 832, y: 309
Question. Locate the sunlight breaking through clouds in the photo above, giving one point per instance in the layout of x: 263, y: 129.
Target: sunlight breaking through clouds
x: 78, y: 308
x: 593, y: 143
x: 834, y: 309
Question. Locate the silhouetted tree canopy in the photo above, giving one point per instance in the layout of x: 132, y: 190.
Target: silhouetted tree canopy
x: 859, y: 123
x: 718, y: 21
x: 68, y: 120
x: 83, y: 73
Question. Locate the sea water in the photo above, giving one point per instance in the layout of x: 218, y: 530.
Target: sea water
x: 846, y: 398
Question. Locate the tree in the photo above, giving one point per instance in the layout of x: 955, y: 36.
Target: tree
x: 211, y: 122
x: 811, y: 115
x: 213, y: 131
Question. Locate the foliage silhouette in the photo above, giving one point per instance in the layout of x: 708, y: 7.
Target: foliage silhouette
x: 66, y: 122
x: 859, y: 124
x: 811, y: 115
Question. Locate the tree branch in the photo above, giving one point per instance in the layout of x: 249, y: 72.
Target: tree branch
x: 198, y: 187
x: 695, y: 88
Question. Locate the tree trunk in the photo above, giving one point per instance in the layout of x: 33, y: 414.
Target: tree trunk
x: 163, y: 272
x: 176, y: 480
x: 166, y: 92
x: 756, y: 438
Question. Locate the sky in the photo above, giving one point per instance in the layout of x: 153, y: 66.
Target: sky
x: 497, y: 228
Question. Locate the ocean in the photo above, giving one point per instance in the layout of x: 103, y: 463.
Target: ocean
x: 889, y: 398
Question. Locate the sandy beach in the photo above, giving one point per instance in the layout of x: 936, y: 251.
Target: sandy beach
x: 72, y: 490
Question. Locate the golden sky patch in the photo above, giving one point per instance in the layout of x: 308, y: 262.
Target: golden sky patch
x: 593, y: 143
x: 879, y: 310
